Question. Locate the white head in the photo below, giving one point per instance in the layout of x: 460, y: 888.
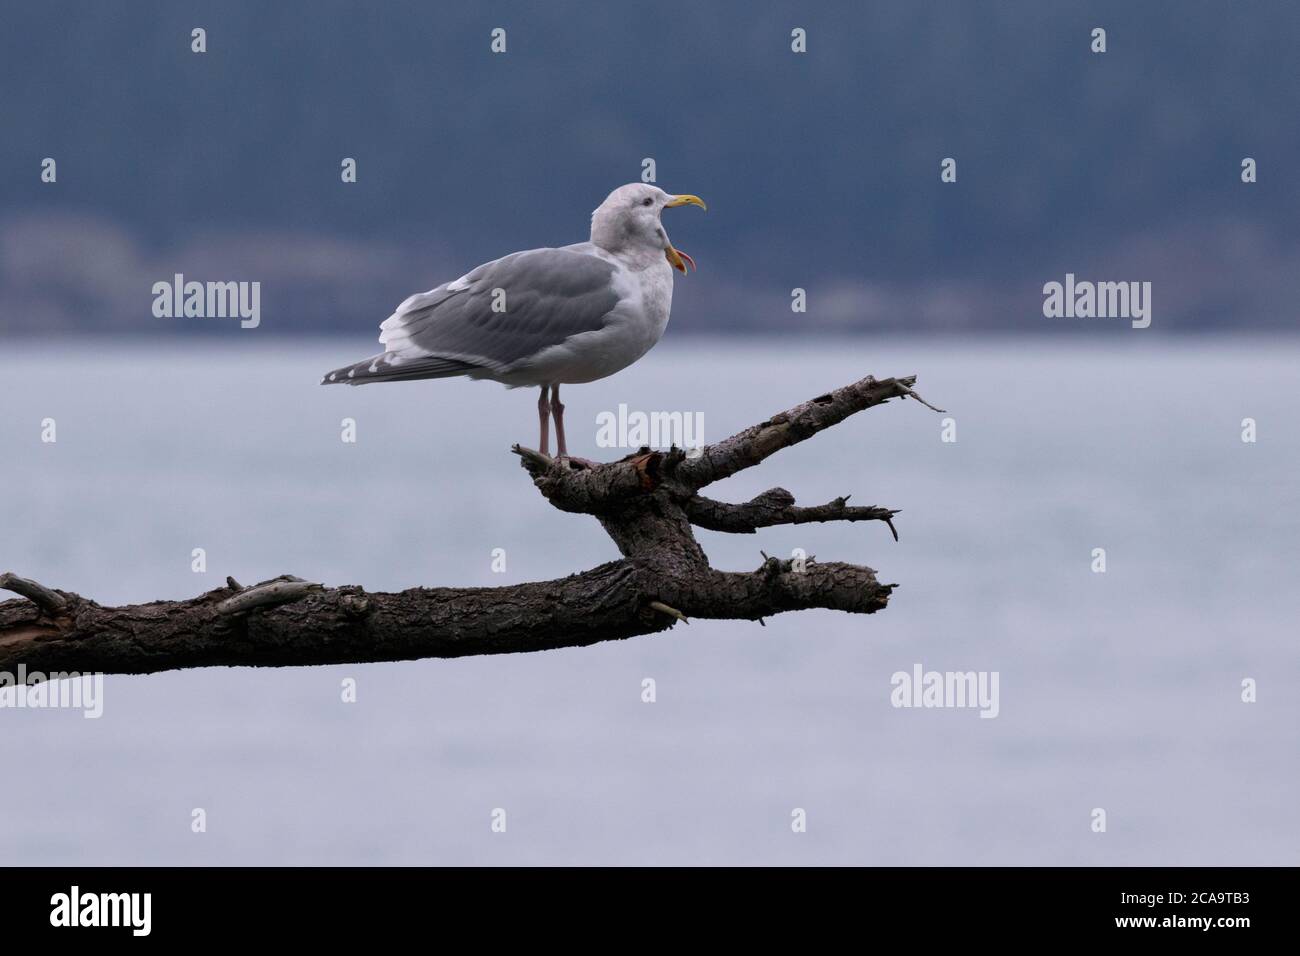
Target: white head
x: 628, y: 222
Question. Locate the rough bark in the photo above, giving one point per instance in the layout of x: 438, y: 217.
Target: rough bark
x: 647, y: 502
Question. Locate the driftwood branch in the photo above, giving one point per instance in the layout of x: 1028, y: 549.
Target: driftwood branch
x: 776, y: 506
x: 647, y: 502
x: 49, y: 601
x: 281, y: 590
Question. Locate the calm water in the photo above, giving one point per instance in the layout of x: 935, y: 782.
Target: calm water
x: 1118, y: 690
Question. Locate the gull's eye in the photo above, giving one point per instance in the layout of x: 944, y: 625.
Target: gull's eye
x: 647, y: 201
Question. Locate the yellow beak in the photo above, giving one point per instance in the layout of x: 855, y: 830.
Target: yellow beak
x: 685, y: 200
x: 678, y: 259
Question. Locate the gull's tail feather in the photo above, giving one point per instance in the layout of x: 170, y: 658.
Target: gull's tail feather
x: 393, y: 367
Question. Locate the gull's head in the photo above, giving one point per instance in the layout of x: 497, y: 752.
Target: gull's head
x: 628, y: 222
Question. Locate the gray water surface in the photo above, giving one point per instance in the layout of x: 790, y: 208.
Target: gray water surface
x: 1118, y: 690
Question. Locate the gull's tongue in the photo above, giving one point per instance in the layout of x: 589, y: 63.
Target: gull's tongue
x: 678, y: 259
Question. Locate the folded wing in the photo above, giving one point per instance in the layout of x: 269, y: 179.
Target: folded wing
x: 492, y: 319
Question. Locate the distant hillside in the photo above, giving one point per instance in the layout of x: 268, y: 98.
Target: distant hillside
x: 821, y: 169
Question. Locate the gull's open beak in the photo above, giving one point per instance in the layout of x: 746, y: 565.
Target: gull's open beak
x: 685, y: 200
x: 676, y: 258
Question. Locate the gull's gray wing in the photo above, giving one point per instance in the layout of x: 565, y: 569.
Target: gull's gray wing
x: 492, y: 318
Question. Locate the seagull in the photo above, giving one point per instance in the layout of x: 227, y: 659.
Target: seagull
x: 543, y: 317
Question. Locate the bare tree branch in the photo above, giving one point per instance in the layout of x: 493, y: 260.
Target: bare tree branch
x: 282, y: 590
x: 51, y: 602
x: 748, y: 448
x: 647, y: 502
x: 776, y: 506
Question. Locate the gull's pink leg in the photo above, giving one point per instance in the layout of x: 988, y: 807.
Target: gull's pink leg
x: 543, y: 416
x: 558, y: 408
x: 558, y: 411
